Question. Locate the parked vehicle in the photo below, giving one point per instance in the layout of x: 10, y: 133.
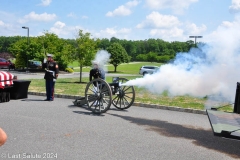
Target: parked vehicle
x: 4, y: 63
x: 148, y: 70
x: 34, y: 64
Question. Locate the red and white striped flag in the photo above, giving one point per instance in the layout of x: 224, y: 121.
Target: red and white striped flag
x: 6, y: 78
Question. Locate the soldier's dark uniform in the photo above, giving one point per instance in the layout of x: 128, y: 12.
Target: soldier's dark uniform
x: 51, y: 72
x: 96, y: 73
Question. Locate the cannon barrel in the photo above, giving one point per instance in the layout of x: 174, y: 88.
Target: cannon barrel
x: 114, y: 84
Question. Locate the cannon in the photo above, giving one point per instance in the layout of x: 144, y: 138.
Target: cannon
x: 100, y: 95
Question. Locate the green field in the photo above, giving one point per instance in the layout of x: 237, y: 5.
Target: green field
x: 71, y: 86
x: 126, y: 68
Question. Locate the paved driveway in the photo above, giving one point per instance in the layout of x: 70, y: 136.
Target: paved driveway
x: 38, y: 128
x: 24, y: 75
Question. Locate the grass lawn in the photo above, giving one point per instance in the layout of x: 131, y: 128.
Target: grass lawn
x: 125, y: 68
x: 71, y: 86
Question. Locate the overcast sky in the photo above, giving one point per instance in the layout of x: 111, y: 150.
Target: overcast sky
x: 170, y: 20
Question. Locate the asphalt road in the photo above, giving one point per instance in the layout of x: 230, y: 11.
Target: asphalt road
x: 24, y: 75
x: 37, y: 129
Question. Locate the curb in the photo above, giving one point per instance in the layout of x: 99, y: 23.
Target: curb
x: 138, y: 104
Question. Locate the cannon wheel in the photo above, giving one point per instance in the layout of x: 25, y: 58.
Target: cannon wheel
x: 125, y: 96
x: 98, y: 96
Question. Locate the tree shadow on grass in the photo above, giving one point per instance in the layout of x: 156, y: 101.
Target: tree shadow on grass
x: 199, y: 136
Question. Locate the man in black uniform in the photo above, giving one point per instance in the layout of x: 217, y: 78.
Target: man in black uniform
x: 51, y: 74
x: 96, y: 72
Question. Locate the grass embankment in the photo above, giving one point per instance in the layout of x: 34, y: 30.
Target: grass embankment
x: 71, y: 86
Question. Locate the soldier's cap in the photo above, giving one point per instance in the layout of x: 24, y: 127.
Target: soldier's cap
x: 49, y: 55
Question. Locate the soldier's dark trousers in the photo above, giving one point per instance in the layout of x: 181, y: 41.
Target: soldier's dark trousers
x: 50, y: 89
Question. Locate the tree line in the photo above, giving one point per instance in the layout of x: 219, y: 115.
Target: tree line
x: 83, y: 49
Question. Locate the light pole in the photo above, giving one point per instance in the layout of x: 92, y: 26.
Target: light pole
x: 195, y: 38
x: 24, y: 27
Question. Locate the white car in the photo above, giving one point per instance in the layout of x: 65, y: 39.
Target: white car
x: 148, y: 70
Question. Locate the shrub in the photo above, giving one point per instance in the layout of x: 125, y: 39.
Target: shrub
x: 70, y: 70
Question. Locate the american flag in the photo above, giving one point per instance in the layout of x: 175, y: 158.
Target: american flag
x: 6, y: 79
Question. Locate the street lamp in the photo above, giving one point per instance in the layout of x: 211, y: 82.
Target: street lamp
x: 24, y: 27
x: 195, y: 38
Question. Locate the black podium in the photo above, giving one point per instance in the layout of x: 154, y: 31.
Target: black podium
x: 226, y: 124
x: 19, y: 89
x: 5, y: 94
x: 236, y: 108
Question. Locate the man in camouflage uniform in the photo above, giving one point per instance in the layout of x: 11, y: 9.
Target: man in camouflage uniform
x: 51, y: 74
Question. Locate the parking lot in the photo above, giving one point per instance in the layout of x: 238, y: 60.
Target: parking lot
x: 63, y: 131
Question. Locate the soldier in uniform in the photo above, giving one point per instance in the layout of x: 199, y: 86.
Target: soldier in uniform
x: 96, y: 72
x: 51, y: 74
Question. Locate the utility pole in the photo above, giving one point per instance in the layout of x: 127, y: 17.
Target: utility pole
x: 195, y: 39
x: 28, y: 42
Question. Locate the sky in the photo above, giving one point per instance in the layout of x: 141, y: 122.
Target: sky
x: 169, y: 20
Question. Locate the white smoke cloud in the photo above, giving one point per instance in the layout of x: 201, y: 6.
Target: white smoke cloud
x: 102, y: 58
x: 211, y: 70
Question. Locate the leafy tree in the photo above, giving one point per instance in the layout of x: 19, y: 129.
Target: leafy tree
x: 190, y: 44
x: 62, y: 51
x: 130, y: 48
x: 6, y: 42
x: 141, y: 57
x: 20, y: 61
x: 86, y: 49
x: 104, y: 43
x: 39, y: 47
x: 164, y: 58
x: 153, y: 46
x: 114, y: 40
x: 21, y: 50
x: 152, y: 57
x: 118, y: 55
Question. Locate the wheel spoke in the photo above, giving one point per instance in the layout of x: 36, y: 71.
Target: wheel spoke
x: 118, y: 100
x: 126, y: 100
x: 101, y: 98
x: 126, y: 97
x: 127, y: 88
x: 115, y: 97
